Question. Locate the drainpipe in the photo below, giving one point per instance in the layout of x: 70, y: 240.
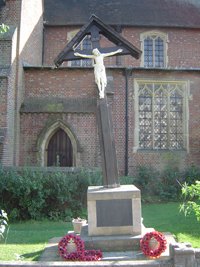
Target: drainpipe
x: 43, y: 33
x: 127, y: 73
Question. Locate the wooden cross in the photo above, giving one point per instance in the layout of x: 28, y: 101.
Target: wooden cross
x: 95, y: 29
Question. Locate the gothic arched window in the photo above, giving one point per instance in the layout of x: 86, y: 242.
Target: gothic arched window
x: 154, y: 47
x: 161, y: 109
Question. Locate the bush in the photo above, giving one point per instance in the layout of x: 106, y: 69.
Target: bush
x: 35, y: 193
x: 191, y: 175
x: 191, y: 193
x: 58, y: 194
x: 158, y: 186
x: 169, y: 184
x: 146, y: 179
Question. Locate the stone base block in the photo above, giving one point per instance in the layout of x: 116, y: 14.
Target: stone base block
x: 111, y: 242
x: 114, y: 211
x: 121, y: 243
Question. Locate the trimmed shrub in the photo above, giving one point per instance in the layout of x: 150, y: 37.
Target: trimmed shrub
x: 61, y: 194
x: 30, y: 193
x: 158, y: 186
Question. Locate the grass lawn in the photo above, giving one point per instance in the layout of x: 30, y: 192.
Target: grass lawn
x: 167, y: 218
x: 27, y: 240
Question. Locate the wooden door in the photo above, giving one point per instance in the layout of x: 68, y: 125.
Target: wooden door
x: 59, y: 151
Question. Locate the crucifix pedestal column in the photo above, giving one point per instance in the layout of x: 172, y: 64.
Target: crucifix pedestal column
x: 107, y: 145
x: 112, y: 209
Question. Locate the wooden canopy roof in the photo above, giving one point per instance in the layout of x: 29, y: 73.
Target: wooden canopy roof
x: 94, y: 28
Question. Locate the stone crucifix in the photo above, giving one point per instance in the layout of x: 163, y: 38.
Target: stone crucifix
x: 99, y: 68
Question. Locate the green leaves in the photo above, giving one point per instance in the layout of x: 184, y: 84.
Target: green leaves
x: 191, y: 194
x: 3, y: 28
x: 36, y: 193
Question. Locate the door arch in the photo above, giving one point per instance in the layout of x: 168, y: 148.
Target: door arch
x: 45, y: 136
x: 60, y: 150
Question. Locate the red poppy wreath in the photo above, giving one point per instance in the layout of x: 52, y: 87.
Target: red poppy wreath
x: 153, y: 250
x: 72, y: 248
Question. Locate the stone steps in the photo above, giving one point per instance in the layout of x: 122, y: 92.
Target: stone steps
x: 146, y: 263
x: 117, y: 242
x: 110, y: 258
x: 182, y: 255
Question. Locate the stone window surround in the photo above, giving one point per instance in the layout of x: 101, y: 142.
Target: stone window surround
x: 163, y: 36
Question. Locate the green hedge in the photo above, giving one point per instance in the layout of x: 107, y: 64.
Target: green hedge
x: 158, y: 186
x: 35, y: 194
x: 60, y: 194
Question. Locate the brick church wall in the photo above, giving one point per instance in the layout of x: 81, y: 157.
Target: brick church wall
x: 82, y: 125
x: 10, y: 13
x: 72, y: 82
x: 31, y: 32
x: 161, y: 159
x: 5, y: 53
x: 65, y: 84
x: 182, y: 49
x: 62, y: 84
x: 30, y: 52
x: 3, y: 101
x: 8, y: 44
x: 59, y: 85
x: 25, y: 47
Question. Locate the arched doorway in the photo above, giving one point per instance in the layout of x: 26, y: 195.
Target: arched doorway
x: 59, y: 150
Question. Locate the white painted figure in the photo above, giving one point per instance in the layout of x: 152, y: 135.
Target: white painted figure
x: 99, y: 68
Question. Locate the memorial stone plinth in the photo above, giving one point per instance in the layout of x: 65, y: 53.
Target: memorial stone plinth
x: 114, y: 211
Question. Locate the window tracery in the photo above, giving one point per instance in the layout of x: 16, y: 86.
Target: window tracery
x: 162, y: 115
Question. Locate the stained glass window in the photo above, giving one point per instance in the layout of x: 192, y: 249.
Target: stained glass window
x: 161, y: 115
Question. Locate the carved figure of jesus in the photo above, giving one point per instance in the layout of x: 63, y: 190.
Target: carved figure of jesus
x: 99, y: 68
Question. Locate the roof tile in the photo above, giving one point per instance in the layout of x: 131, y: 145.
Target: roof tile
x: 163, y: 13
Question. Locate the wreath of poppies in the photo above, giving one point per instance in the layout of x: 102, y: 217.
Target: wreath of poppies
x: 79, y: 254
x: 147, y: 248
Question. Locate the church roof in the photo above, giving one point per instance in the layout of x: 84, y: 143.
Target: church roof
x: 158, y: 13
